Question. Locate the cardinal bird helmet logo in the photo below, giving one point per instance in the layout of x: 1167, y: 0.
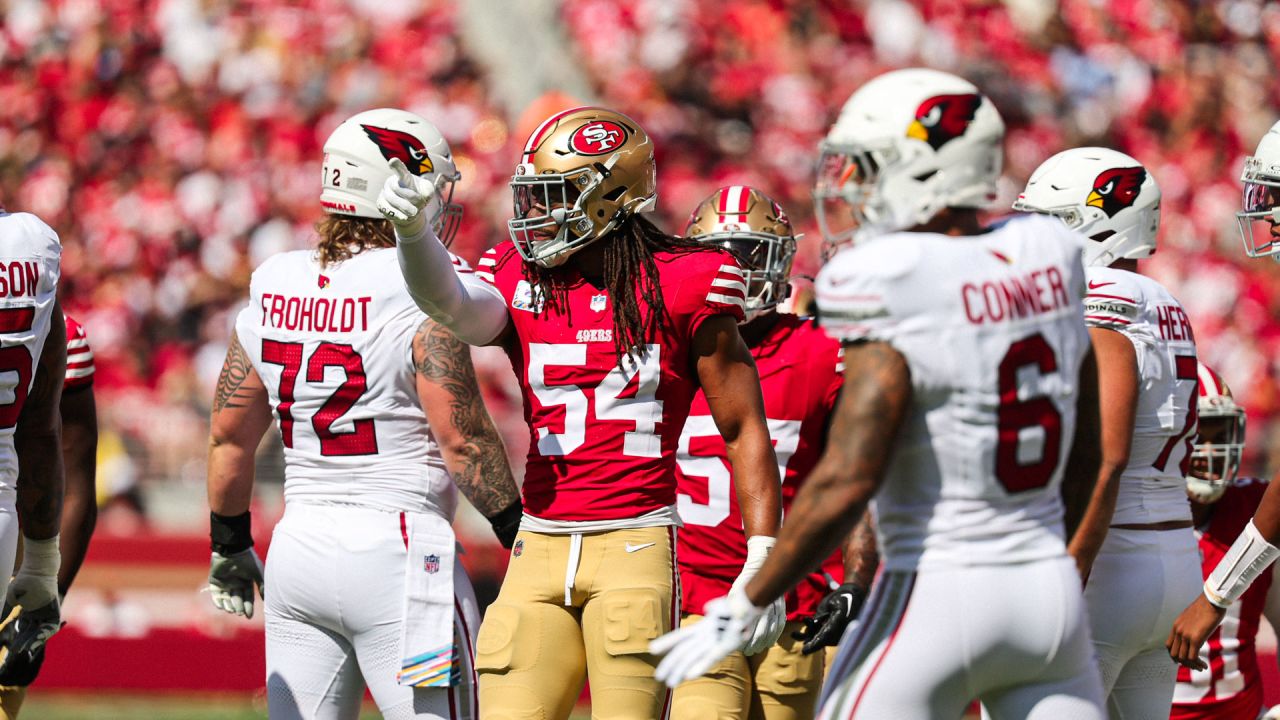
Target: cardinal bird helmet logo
x: 943, y: 118
x: 399, y: 144
x: 1116, y: 189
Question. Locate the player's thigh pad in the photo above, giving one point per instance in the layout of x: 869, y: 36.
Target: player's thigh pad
x: 787, y: 681
x: 529, y: 652
x: 378, y: 651
x: 721, y: 694
x: 11, y: 699
x: 631, y: 584
x: 1140, y: 581
x: 311, y: 673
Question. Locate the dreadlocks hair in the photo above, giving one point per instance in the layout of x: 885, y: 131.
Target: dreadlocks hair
x: 631, y: 279
x: 344, y: 236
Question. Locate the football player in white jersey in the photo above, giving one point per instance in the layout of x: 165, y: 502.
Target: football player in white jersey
x: 33, y: 358
x: 1135, y: 546
x: 1255, y: 549
x: 969, y: 392
x: 380, y: 417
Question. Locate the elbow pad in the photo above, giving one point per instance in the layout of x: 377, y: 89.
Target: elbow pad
x: 1250, y: 555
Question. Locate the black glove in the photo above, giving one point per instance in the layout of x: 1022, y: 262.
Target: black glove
x: 22, y: 642
x: 21, y: 669
x: 834, y: 613
x: 507, y: 523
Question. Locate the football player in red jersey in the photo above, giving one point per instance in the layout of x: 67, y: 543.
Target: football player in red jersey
x: 800, y: 374
x: 1255, y: 549
x: 1230, y: 687
x: 79, y: 504
x: 611, y: 327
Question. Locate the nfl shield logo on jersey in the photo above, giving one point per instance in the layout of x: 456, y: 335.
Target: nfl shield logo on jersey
x: 431, y: 563
x: 518, y: 549
x: 598, y: 302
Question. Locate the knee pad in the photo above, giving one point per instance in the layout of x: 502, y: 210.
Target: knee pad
x: 632, y: 617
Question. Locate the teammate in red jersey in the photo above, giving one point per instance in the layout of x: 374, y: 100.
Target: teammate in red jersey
x: 79, y: 504
x: 1230, y: 687
x: 611, y: 327
x: 800, y: 374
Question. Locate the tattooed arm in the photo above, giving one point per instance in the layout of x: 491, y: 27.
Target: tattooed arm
x: 871, y: 410
x: 472, y: 449
x: 241, y: 414
x: 38, y: 439
x: 861, y: 554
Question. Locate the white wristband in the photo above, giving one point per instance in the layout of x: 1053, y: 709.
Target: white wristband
x: 1248, y: 557
x: 758, y: 548
x: 40, y: 557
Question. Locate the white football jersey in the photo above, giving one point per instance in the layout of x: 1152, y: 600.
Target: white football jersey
x: 30, y: 265
x: 334, y: 348
x: 1152, y: 488
x: 992, y: 330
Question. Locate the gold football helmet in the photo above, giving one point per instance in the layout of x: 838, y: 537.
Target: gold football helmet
x: 754, y: 228
x: 581, y: 174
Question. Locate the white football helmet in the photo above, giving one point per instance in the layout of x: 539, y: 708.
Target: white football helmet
x: 758, y: 232
x: 1104, y: 195
x: 1215, y: 460
x: 1261, y: 211
x: 356, y: 165
x: 906, y: 145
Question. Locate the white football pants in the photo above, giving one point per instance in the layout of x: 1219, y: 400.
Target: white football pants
x: 1140, y: 582
x: 931, y: 642
x: 334, y: 602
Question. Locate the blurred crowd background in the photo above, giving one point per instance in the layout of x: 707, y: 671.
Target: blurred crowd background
x: 175, y: 144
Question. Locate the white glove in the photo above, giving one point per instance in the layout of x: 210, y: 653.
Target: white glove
x: 692, y: 650
x: 774, y: 619
x: 403, y: 197
x: 1272, y: 714
x: 231, y: 581
x: 36, y: 583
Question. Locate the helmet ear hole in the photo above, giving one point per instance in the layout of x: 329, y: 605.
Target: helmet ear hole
x: 614, y: 194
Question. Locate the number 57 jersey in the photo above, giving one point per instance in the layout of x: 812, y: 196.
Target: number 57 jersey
x: 992, y: 330
x: 333, y: 347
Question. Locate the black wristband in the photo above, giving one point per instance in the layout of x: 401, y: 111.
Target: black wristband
x: 506, y: 523
x: 229, y: 534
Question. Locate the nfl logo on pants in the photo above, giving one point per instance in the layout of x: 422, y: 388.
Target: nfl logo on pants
x: 431, y: 563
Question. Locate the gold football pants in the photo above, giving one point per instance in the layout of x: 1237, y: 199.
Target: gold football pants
x: 11, y: 699
x: 778, y: 684
x: 575, y: 607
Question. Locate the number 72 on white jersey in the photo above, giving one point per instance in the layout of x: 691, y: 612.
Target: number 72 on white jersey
x: 786, y: 438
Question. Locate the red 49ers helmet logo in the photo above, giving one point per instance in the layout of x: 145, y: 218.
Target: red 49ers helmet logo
x: 597, y: 138
x: 1116, y: 189
x: 943, y: 118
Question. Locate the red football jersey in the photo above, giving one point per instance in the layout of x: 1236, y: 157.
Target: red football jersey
x: 1231, y: 688
x: 800, y: 376
x: 603, y: 433
x: 79, y: 356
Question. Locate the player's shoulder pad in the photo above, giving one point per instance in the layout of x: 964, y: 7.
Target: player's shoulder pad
x: 854, y: 289
x: 496, y: 259
x: 1112, y: 298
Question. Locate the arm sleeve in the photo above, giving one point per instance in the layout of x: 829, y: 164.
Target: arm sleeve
x: 453, y: 296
